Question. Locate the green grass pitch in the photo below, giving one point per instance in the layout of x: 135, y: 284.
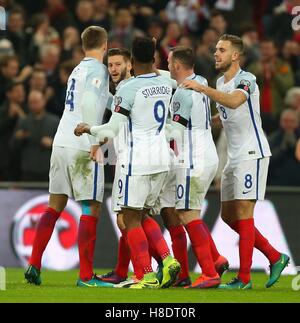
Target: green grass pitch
x: 60, y: 287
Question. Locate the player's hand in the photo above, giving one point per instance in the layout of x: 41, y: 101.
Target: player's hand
x: 96, y: 154
x: 81, y: 129
x: 192, y: 85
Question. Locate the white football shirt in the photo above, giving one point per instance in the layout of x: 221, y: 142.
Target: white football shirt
x: 245, y: 136
x: 88, y: 76
x: 192, y: 109
x: 145, y: 100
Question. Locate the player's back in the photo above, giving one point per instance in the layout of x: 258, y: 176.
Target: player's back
x: 198, y: 148
x: 242, y: 126
x: 88, y: 76
x: 147, y: 98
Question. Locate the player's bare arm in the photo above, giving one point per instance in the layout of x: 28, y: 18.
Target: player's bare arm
x: 216, y: 121
x: 230, y: 100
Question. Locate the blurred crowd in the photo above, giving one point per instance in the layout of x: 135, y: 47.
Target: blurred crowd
x: 41, y: 46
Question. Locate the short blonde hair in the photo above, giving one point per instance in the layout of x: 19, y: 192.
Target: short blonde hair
x: 93, y: 37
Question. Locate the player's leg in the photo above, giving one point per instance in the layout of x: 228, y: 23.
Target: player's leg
x: 60, y: 189
x: 139, y: 248
x: 119, y: 274
x: 57, y: 203
x: 278, y: 261
x: 157, y: 245
x: 87, y: 232
x: 221, y: 263
x: 179, y: 244
x: 132, y: 196
x: 201, y: 247
x: 190, y: 193
x: 238, y: 196
x: 169, y: 267
x: 87, y: 182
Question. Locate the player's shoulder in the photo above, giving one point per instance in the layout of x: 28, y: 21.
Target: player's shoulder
x: 123, y: 82
x: 129, y: 84
x: 165, y: 76
x: 244, y: 75
x: 202, y: 80
x: 183, y: 95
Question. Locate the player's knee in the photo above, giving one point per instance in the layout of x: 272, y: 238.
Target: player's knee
x: 182, y: 218
x: 91, y: 208
x: 58, y: 202
x: 120, y: 222
x: 169, y: 217
x: 131, y: 218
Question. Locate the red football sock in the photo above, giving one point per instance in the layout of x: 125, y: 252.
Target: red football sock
x: 138, y: 270
x: 138, y: 246
x: 123, y: 256
x: 43, y: 234
x: 179, y: 246
x: 201, y: 247
x: 155, y: 237
x: 246, y: 230
x: 213, y: 249
x: 86, y: 245
x: 154, y: 254
x: 262, y: 244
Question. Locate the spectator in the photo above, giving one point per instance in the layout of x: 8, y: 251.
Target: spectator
x: 291, y: 53
x: 205, y: 61
x: 185, y: 12
x: 274, y: 78
x: 284, y: 167
x: 33, y: 137
x: 171, y: 38
x: 71, y: 40
x: 186, y: 41
x: 43, y: 34
x: 101, y: 15
x: 49, y: 61
x: 9, y: 68
x: 218, y: 23
x: 123, y: 31
x: 11, y: 111
x: 6, y: 48
x: 9, y: 71
x: 77, y: 55
x: 292, y: 99
x: 238, y: 13
x: 38, y: 82
x: 84, y: 14
x: 17, y: 34
x: 280, y: 23
x: 251, y: 42
x: 58, y: 14
x: 155, y: 29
